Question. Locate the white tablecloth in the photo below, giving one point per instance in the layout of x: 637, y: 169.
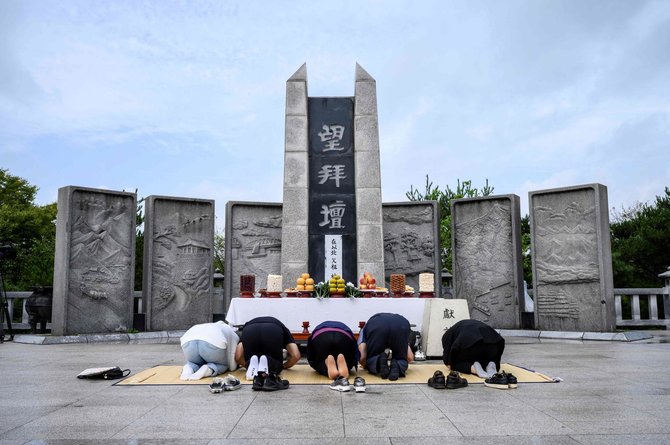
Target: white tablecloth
x: 293, y: 311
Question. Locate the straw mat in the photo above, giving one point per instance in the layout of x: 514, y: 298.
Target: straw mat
x: 302, y: 374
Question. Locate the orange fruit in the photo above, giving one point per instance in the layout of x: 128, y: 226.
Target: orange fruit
x: 300, y: 281
x: 309, y: 281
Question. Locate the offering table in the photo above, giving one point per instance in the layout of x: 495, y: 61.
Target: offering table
x: 350, y: 311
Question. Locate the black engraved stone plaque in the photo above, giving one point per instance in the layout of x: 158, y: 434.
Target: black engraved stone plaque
x: 332, y: 193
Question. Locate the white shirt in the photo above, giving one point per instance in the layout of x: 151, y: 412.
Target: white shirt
x: 218, y: 334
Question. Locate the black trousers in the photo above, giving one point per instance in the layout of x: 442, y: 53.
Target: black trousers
x: 330, y: 343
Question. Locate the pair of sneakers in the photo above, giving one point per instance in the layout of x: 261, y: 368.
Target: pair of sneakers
x: 227, y: 383
x: 451, y: 381
x: 264, y: 381
x: 502, y: 380
x: 342, y: 384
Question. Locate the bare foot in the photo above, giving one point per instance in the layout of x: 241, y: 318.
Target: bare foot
x: 342, y: 366
x: 332, y: 367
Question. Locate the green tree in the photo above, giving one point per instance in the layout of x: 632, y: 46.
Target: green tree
x: 30, y: 229
x: 641, y: 243
x: 219, y: 252
x: 444, y: 197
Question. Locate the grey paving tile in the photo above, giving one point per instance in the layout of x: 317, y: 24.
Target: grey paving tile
x: 77, y: 423
x: 141, y: 441
x: 311, y: 441
x: 291, y: 414
x: 624, y: 439
x: 620, y: 426
x: 393, y: 411
x: 486, y: 440
x: 537, y: 424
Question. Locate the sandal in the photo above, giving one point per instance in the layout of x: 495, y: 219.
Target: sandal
x: 437, y: 381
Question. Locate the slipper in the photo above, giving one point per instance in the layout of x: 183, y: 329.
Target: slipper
x: 437, y: 381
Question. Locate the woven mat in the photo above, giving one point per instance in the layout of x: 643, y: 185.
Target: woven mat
x: 303, y: 374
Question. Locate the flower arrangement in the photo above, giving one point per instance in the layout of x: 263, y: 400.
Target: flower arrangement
x: 352, y: 291
x: 321, y: 290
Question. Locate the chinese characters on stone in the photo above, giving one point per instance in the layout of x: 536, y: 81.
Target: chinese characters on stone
x: 332, y: 136
x: 332, y: 215
x: 332, y: 172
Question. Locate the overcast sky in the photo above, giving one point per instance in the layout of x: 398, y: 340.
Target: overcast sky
x: 186, y: 98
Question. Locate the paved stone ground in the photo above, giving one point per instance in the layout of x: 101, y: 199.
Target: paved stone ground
x: 612, y: 393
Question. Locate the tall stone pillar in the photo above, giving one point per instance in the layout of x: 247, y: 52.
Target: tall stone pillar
x: 319, y: 131
x: 370, y: 234
x: 294, y: 233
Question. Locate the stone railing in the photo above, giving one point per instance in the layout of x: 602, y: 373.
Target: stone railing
x: 652, y: 317
x: 13, y: 307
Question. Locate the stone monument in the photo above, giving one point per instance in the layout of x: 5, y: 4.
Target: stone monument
x: 572, y: 259
x: 253, y: 243
x: 411, y: 241
x: 332, y: 220
x: 332, y: 183
x: 178, y: 255
x: 486, y: 240
x: 94, y: 267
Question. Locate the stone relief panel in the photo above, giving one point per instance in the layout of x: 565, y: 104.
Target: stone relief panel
x: 411, y: 241
x: 99, y: 260
x: 179, y: 240
x: 253, y: 243
x: 486, y: 258
x: 567, y: 268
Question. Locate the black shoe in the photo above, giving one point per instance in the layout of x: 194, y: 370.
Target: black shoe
x: 497, y: 381
x: 259, y: 381
x: 273, y: 382
x: 437, y: 380
x: 383, y: 365
x: 455, y: 381
x: 394, y: 373
x: 511, y: 380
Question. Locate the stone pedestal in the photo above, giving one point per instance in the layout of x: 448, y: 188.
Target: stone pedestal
x: 94, y: 267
